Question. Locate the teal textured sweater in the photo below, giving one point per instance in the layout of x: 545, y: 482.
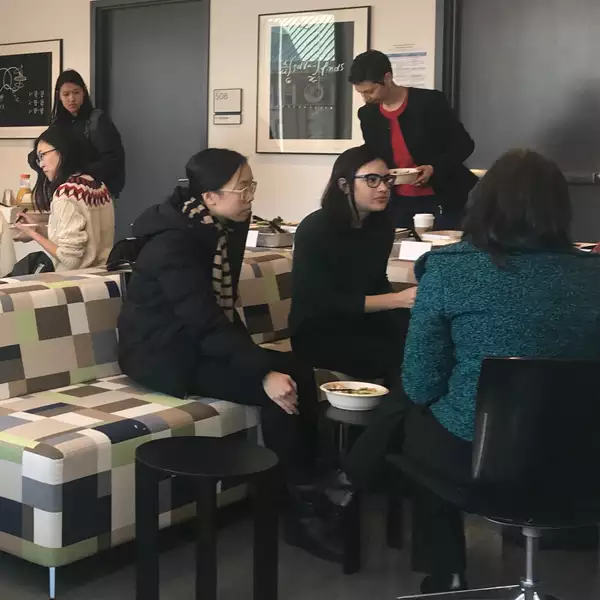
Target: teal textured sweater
x: 543, y: 304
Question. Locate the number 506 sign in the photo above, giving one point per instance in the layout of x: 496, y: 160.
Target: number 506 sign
x: 228, y: 101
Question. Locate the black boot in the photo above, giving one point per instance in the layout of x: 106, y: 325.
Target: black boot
x: 306, y: 527
x: 329, y: 496
x: 437, y: 584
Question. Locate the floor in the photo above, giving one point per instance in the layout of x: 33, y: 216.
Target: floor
x: 385, y: 575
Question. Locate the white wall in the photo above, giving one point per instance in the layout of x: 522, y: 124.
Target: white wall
x: 289, y: 185
x: 30, y: 21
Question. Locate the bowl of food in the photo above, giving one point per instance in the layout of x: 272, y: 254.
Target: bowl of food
x: 354, y: 395
x: 405, y: 176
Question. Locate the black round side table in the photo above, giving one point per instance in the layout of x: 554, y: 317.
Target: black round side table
x: 206, y: 461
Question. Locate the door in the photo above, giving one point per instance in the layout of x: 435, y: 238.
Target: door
x: 529, y: 78
x: 151, y: 77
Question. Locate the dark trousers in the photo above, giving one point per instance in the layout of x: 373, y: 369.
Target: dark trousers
x: 404, y: 208
x: 363, y: 352
x: 438, y: 541
x: 293, y: 438
x: 438, y: 538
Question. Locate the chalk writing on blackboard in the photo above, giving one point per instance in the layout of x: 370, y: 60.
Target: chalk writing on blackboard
x: 25, y: 89
x: 12, y: 79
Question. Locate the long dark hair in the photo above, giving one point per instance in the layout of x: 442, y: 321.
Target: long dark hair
x: 59, y: 113
x: 70, y: 164
x: 208, y: 171
x: 522, y: 203
x: 338, y: 204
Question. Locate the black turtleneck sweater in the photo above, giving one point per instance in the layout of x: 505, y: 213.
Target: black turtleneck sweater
x: 335, y: 267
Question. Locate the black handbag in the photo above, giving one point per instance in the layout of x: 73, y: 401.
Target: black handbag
x: 36, y: 262
x: 125, y: 253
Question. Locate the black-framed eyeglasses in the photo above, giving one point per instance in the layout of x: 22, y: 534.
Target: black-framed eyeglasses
x: 40, y: 156
x: 373, y: 180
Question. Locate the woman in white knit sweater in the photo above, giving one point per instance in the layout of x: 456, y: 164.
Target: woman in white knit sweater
x: 81, y: 224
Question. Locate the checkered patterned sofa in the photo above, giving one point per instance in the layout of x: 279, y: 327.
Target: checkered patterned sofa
x: 70, y: 422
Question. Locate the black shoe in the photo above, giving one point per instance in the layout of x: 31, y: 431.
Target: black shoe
x: 314, y: 535
x: 438, y: 584
x: 327, y: 497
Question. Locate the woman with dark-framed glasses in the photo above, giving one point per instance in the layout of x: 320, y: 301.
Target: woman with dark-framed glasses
x: 81, y: 223
x: 345, y: 316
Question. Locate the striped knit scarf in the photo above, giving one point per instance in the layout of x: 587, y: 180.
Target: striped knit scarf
x: 221, y: 275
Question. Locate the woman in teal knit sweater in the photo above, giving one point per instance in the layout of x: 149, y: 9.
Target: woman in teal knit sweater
x: 514, y: 286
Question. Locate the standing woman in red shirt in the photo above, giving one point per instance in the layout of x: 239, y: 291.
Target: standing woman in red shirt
x: 415, y: 128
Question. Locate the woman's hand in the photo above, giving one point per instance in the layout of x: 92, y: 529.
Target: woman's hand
x: 406, y: 298
x: 27, y: 226
x: 282, y: 389
x: 24, y: 217
x: 391, y: 300
x: 425, y: 174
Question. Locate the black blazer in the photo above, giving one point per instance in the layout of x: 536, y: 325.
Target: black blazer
x: 434, y: 136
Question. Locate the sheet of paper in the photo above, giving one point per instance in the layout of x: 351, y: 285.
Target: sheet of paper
x: 413, y: 250
x: 409, y: 68
x: 252, y: 239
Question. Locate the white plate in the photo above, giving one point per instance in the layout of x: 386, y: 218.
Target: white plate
x: 353, y: 401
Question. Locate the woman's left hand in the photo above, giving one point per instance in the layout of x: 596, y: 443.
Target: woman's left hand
x: 29, y: 230
x: 425, y: 174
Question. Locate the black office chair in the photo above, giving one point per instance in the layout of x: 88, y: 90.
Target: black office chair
x: 535, y: 457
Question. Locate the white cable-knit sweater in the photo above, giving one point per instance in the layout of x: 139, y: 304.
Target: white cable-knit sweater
x: 7, y: 248
x: 81, y: 223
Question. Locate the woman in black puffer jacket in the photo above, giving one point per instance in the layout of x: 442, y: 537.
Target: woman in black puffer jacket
x: 180, y: 335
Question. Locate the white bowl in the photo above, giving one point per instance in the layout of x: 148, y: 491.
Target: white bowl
x: 405, y: 176
x: 349, y: 401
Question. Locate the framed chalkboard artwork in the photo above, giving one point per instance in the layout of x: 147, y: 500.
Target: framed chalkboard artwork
x: 305, y: 103
x: 27, y: 75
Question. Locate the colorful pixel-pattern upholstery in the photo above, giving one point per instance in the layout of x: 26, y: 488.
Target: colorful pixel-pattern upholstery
x: 56, y: 333
x: 67, y: 464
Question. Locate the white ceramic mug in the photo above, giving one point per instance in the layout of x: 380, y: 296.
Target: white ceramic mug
x: 423, y: 222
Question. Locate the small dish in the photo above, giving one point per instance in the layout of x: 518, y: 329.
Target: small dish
x: 405, y: 176
x: 353, y: 400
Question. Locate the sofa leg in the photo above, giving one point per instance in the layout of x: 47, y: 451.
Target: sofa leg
x: 52, y: 583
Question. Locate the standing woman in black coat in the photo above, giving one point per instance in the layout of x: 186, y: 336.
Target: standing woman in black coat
x: 179, y: 333
x: 92, y: 128
x: 415, y: 128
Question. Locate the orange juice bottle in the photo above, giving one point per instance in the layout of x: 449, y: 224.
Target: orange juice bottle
x: 24, y: 193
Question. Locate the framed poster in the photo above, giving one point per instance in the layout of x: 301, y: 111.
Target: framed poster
x: 27, y: 75
x: 305, y: 103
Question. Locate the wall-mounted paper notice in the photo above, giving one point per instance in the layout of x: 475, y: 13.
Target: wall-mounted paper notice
x: 409, y: 68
